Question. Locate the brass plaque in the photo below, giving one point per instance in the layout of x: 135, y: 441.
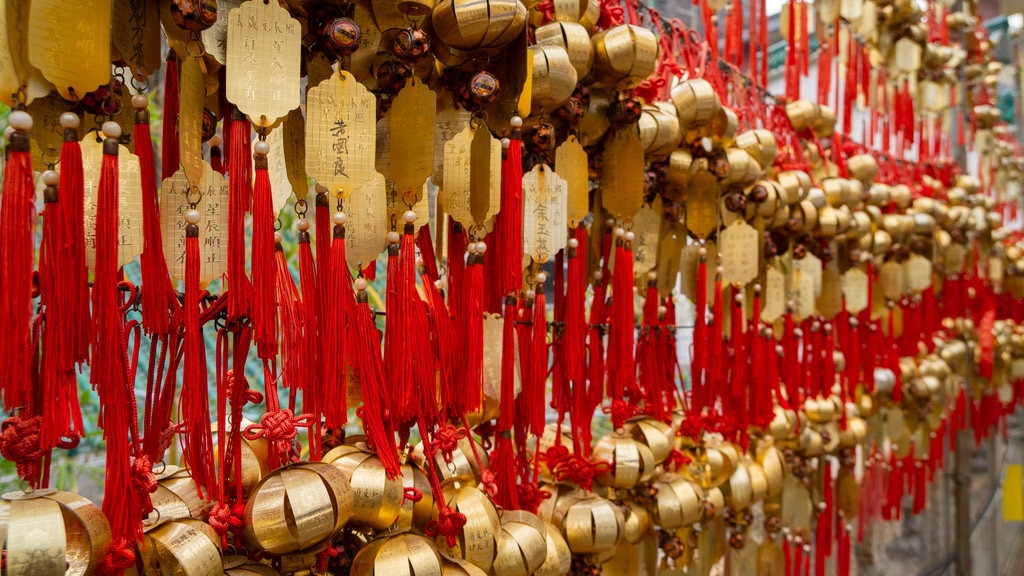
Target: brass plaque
x: 917, y: 272
x: 341, y: 135
x: 740, y: 254
x: 213, y: 223
x: 544, y: 217
x: 472, y: 168
x: 69, y: 42
x: 673, y: 239
x: 450, y: 121
x: 801, y: 293
x: 9, y: 80
x: 413, y: 117
x: 190, y: 118
x: 136, y: 35
x: 571, y: 164
x: 890, y: 278
x: 646, y: 226
x: 29, y: 77
x: 702, y: 204
x: 774, y: 305
x: 47, y: 134
x: 215, y: 38
x: 293, y: 140
x: 623, y: 176
x: 830, y: 302
x: 129, y: 192
x: 855, y: 290
x: 264, y: 45
x: 367, y: 229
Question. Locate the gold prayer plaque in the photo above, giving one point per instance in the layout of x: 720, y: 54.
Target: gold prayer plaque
x: 571, y: 164
x: 740, y: 253
x: 47, y: 134
x: 855, y: 290
x: 69, y: 42
x: 213, y: 223
x: 774, y: 295
x: 917, y: 273
x: 830, y: 302
x: 341, y: 135
x: 129, y: 193
x: 544, y: 218
x: 702, y: 204
x: 293, y: 136
x: 190, y: 118
x: 450, y: 122
x: 646, y: 226
x: 9, y: 80
x: 136, y: 34
x: 367, y: 228
x: 264, y: 45
x: 215, y: 38
x: 890, y: 278
x: 623, y: 176
x: 413, y: 116
x: 472, y: 176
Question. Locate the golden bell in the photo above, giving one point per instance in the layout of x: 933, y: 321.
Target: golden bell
x: 185, y: 546
x: 638, y: 522
x: 522, y: 546
x: 415, y: 7
x: 255, y: 460
x: 723, y: 127
x: 595, y: 123
x: 654, y: 434
x: 696, y: 103
x: 743, y: 169
x: 176, y: 497
x: 803, y: 114
x: 770, y: 459
x: 297, y: 507
x: 879, y: 194
x: 659, y: 130
x: 624, y: 55
x: 679, y: 502
x: 902, y: 196
x: 783, y: 424
x: 477, y: 539
x: 242, y: 566
x: 416, y: 514
x: 553, y: 508
x: 585, y: 12
x: 863, y: 167
x: 629, y: 461
x: 402, y: 554
x: 554, y: 77
x: 558, y: 558
x: 709, y: 466
x: 488, y: 25
x: 738, y: 491
x: 461, y: 464
x: 760, y: 144
x: 456, y: 567
x: 377, y: 499
x: 795, y: 184
x: 574, y: 39
x: 681, y: 167
x: 825, y: 125
x: 52, y: 532
x: 758, y: 481
x: 592, y: 525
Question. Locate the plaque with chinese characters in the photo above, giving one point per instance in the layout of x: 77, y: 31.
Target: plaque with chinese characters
x: 69, y: 42
x: 9, y: 80
x: 472, y: 176
x: 129, y: 190
x: 571, y: 164
x: 215, y: 38
x: 830, y: 302
x: 623, y: 174
x: 740, y: 254
x: 264, y: 45
x: 29, y: 77
x: 544, y: 218
x: 293, y: 139
x: 47, y: 134
x: 367, y: 228
x: 646, y: 225
x: 702, y: 204
x: 450, y: 121
x: 136, y: 35
x: 855, y: 290
x: 890, y: 277
x: 917, y: 273
x: 670, y: 248
x: 801, y: 293
x: 341, y: 136
x: 213, y: 223
x: 774, y: 295
x: 413, y: 116
x: 190, y: 118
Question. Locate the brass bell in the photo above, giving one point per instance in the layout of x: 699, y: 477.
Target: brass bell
x: 653, y: 433
x: 629, y: 461
x: 416, y: 514
x: 760, y: 144
x: 184, y: 546
x: 52, y: 532
x: 738, y: 490
x: 659, y: 130
x: 624, y: 55
x: 477, y: 540
x: 863, y: 167
x: 522, y: 546
x: 403, y: 553
x: 679, y: 502
x: 554, y: 77
x: 377, y: 499
x: 574, y: 39
x: 696, y: 103
x: 803, y: 114
x: 177, y: 497
x: 478, y: 26
x: 464, y: 464
x: 558, y: 559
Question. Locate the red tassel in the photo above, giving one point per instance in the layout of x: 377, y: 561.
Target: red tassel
x: 240, y: 193
x: 739, y: 379
x: 716, y: 362
x: 76, y: 275
x: 17, y: 255
x: 648, y: 348
x: 195, y: 402
x: 509, y: 221
x: 699, y: 362
x: 337, y: 287
x: 264, y: 296
x: 426, y: 248
x: 843, y: 554
x: 399, y: 364
x: 503, y: 460
x: 169, y: 156
x: 471, y: 330
x: 456, y: 267
x: 109, y: 372
x: 158, y: 292
x: 530, y: 406
x: 621, y: 337
x: 313, y: 393
x: 574, y: 335
x: 441, y: 333
x: 377, y: 423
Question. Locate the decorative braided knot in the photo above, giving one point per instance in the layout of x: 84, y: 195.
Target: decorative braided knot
x: 412, y: 494
x: 678, y: 459
x: 620, y: 411
x: 580, y: 470
x: 531, y: 496
x: 223, y: 518
x: 120, y: 558
x: 279, y: 426
x: 238, y: 390
x: 20, y: 443
x: 446, y: 441
x: 448, y: 524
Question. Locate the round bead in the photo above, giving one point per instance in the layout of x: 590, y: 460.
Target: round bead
x: 409, y: 216
x: 302, y: 225
x: 111, y: 129
x: 505, y: 142
x: 339, y: 218
x: 360, y: 284
x: 619, y: 233
x: 705, y: 142
x: 574, y: 243
x: 139, y: 101
x: 70, y: 120
x: 702, y: 251
x: 214, y: 140
x: 662, y: 310
x: 652, y: 275
x: 471, y: 248
x: 757, y: 287
x: 481, y: 247
x: 530, y: 295
x: 719, y: 270
x: 516, y: 122
x: 278, y: 237
x: 598, y: 275
x: 609, y: 222
x: 51, y: 178
x: 630, y: 236
x: 20, y: 120
x: 441, y: 283
x: 542, y: 277
x: 192, y: 216
x: 393, y: 237
x: 739, y: 297
x: 261, y: 147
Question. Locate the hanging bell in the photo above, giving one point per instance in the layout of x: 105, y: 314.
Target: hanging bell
x: 477, y: 541
x: 696, y: 103
x: 184, y: 546
x: 52, y: 532
x: 415, y: 514
x: 522, y: 545
x: 572, y: 37
x: 554, y: 77
x: 377, y: 499
x: 176, y: 496
x: 624, y: 55
x: 629, y: 461
x: 654, y: 434
x: 404, y: 553
x: 679, y: 502
x: 486, y: 26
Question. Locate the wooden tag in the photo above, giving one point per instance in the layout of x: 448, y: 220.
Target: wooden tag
x: 740, y: 253
x: 69, y: 42
x: 702, y: 204
x: 341, y: 136
x: 830, y: 302
x: 571, y: 164
x: 129, y: 191
x: 855, y: 290
x: 917, y: 273
x: 367, y: 229
x: 264, y: 45
x: 450, y: 122
x: 670, y: 247
x: 413, y: 116
x: 213, y: 223
x: 544, y: 220
x: 190, y: 119
x: 774, y: 304
x: 293, y: 137
x: 136, y: 35
x: 472, y: 168
x: 215, y: 38
x: 47, y: 134
x: 646, y: 226
x: 623, y: 174
x: 890, y: 279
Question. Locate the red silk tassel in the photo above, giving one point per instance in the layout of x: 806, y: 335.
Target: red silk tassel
x: 156, y: 298
x: 109, y: 372
x: 264, y: 295
x: 195, y: 402
x: 739, y: 379
x: 169, y: 156
x: 472, y: 332
x: 397, y: 355
x: 699, y: 362
x: 823, y: 538
x: 575, y: 333
x: 843, y: 553
x: 425, y: 244
x: 524, y: 340
x: 289, y: 310
x: 920, y: 487
x: 17, y: 253
x: 456, y: 267
x: 313, y: 393
x: 503, y: 460
x: 647, y: 357
x: 76, y: 275
x: 621, y: 334
x: 216, y: 156
x: 509, y: 223
x: 791, y: 362
x: 379, y: 427
x: 240, y: 191
x: 717, y: 358
x: 338, y: 291
x: 441, y: 333
x: 540, y: 362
